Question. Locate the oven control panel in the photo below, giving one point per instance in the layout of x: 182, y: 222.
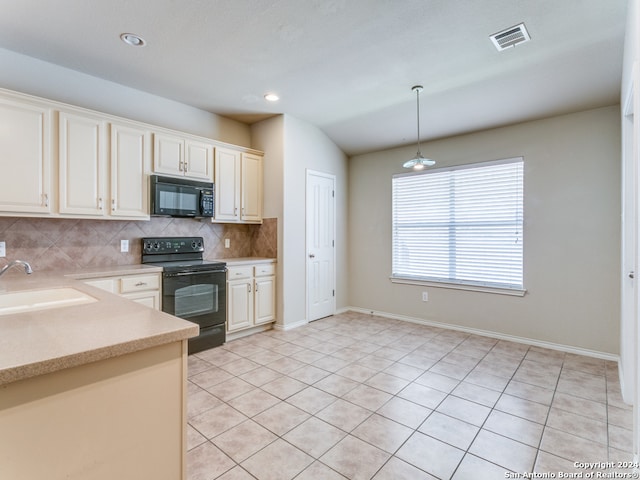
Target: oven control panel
x: 167, y: 245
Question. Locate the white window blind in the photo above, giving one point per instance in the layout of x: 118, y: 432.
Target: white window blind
x: 460, y: 225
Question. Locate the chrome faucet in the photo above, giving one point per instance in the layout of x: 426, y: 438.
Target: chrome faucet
x: 27, y: 267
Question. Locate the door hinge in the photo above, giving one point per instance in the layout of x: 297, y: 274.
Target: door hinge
x: 333, y: 243
x: 333, y: 193
x: 334, y: 293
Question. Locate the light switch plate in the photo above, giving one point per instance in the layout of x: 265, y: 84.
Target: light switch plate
x: 3, y: 249
x: 227, y: 243
x: 124, y: 246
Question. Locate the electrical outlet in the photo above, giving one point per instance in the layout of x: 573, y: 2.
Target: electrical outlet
x: 227, y: 243
x: 3, y: 249
x: 124, y: 246
x: 425, y: 296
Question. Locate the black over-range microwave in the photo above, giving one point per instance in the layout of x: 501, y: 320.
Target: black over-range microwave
x: 181, y: 197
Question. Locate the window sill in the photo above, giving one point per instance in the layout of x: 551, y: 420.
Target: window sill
x: 460, y: 286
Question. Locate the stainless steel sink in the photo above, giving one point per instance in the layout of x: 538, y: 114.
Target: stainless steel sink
x: 43, y: 299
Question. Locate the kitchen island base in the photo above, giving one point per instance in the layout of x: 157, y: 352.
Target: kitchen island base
x: 122, y: 417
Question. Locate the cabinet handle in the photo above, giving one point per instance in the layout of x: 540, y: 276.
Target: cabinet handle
x: 256, y: 288
x: 46, y: 199
x: 141, y: 284
x: 113, y: 205
x: 100, y: 204
x: 249, y: 285
x: 186, y: 166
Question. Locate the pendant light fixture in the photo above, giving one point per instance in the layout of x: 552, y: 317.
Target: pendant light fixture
x: 418, y: 162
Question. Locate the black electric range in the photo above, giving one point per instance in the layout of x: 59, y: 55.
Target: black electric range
x: 192, y: 288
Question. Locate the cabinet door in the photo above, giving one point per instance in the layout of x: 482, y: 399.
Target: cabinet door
x: 251, y: 188
x: 82, y: 164
x: 199, y: 161
x: 148, y: 299
x: 130, y: 162
x: 239, y: 305
x: 25, y: 157
x: 265, y: 299
x: 168, y: 154
x: 227, y: 185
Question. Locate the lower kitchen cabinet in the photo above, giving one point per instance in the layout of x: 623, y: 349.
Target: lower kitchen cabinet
x: 251, y: 296
x: 141, y: 288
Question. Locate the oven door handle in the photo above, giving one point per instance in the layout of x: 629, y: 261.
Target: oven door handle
x: 182, y: 274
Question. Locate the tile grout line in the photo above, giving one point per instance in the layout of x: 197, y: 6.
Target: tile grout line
x: 447, y: 395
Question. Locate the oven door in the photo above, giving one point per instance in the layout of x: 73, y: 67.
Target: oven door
x: 199, y: 297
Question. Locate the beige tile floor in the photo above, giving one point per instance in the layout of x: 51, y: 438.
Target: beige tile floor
x: 357, y: 396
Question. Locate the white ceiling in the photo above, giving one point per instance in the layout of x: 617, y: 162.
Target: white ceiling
x: 346, y: 66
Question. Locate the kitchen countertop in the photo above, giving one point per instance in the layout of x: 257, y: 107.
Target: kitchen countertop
x: 245, y: 260
x: 108, y: 271
x: 45, y: 341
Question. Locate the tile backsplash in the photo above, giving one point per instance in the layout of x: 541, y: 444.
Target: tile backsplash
x: 50, y: 243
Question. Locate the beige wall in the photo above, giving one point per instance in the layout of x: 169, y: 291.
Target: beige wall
x: 35, y: 77
x: 572, y: 233
x: 291, y: 148
x: 308, y: 148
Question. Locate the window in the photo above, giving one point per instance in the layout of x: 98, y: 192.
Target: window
x: 460, y: 225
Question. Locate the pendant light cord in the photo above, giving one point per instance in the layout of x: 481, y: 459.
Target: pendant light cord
x: 417, y: 88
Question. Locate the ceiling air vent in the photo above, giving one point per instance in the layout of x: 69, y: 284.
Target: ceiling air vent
x: 510, y: 37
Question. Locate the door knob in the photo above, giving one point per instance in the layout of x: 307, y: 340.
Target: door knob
x: 632, y: 274
x: 311, y: 255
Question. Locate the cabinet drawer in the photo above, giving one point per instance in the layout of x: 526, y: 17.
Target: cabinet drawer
x: 264, y: 269
x: 139, y: 283
x: 107, y: 284
x: 236, y: 273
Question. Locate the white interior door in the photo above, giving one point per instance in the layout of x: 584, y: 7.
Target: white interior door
x: 629, y: 284
x: 630, y: 321
x: 321, y: 278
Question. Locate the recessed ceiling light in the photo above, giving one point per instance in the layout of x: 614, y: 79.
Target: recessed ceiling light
x: 271, y: 97
x: 133, y: 40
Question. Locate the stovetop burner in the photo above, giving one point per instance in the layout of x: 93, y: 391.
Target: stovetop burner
x: 177, y: 254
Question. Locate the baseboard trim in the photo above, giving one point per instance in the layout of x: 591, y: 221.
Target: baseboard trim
x: 289, y: 326
x: 487, y: 333
x: 627, y: 396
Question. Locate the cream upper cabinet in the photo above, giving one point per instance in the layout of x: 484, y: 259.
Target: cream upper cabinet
x: 178, y: 156
x: 25, y: 157
x: 103, y: 167
x: 83, y: 168
x: 130, y: 165
x: 251, y: 191
x: 227, y: 185
x: 168, y: 154
x: 238, y: 186
x: 65, y: 161
x: 199, y: 160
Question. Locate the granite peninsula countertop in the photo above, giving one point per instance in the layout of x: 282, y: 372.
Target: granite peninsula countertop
x: 39, y: 342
